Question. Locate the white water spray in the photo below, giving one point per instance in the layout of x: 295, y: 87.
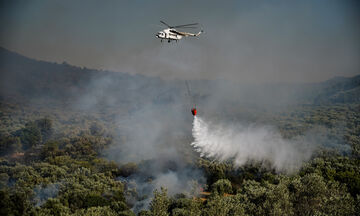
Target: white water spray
x: 244, y: 144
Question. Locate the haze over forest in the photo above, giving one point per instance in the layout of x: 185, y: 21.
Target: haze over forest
x: 143, y: 125
x: 95, y: 111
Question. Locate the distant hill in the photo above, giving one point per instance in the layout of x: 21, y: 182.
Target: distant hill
x: 340, y: 90
x: 28, y: 79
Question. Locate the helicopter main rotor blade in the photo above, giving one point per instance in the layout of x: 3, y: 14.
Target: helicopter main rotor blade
x: 188, y: 27
x: 192, y: 24
x: 166, y: 24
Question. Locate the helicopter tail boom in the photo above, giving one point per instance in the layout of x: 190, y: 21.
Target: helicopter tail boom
x: 201, y: 31
x: 186, y: 34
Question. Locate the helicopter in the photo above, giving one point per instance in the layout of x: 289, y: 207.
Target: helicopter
x: 171, y: 34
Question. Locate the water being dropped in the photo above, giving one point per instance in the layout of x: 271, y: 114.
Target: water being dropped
x: 246, y: 143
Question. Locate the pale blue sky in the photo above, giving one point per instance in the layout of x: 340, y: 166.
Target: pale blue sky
x: 248, y: 41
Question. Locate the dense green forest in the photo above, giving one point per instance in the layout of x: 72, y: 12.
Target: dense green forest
x: 54, y: 157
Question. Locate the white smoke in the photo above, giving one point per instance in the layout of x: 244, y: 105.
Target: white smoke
x: 43, y: 192
x: 250, y: 143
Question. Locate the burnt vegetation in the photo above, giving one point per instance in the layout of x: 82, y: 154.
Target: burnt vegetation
x: 53, y: 161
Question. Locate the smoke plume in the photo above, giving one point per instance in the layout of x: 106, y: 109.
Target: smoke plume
x: 43, y: 193
x: 247, y: 143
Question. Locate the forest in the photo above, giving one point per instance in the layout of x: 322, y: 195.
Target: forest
x: 66, y: 146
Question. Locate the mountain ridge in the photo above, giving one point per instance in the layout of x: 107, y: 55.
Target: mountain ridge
x: 29, y: 78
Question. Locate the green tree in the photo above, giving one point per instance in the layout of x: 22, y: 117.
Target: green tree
x: 310, y: 194
x: 338, y: 201
x: 224, y: 206
x: 185, y: 206
x: 277, y: 199
x: 221, y: 186
x: 354, y: 141
x: 254, y: 195
x: 96, y: 211
x: 313, y: 196
x: 30, y: 135
x: 145, y: 213
x: 160, y: 203
x: 46, y: 128
x: 6, y: 203
x: 128, y: 169
x: 97, y: 129
x: 54, y: 207
x: 357, y: 205
x: 50, y: 149
x: 9, y: 144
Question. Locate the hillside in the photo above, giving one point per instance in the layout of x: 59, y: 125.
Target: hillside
x: 30, y: 79
x: 340, y: 90
x: 77, y: 141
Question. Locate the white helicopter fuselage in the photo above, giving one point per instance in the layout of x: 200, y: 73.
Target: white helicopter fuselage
x: 166, y: 34
x: 171, y: 34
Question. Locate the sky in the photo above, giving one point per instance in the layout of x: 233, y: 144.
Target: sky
x: 244, y: 41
